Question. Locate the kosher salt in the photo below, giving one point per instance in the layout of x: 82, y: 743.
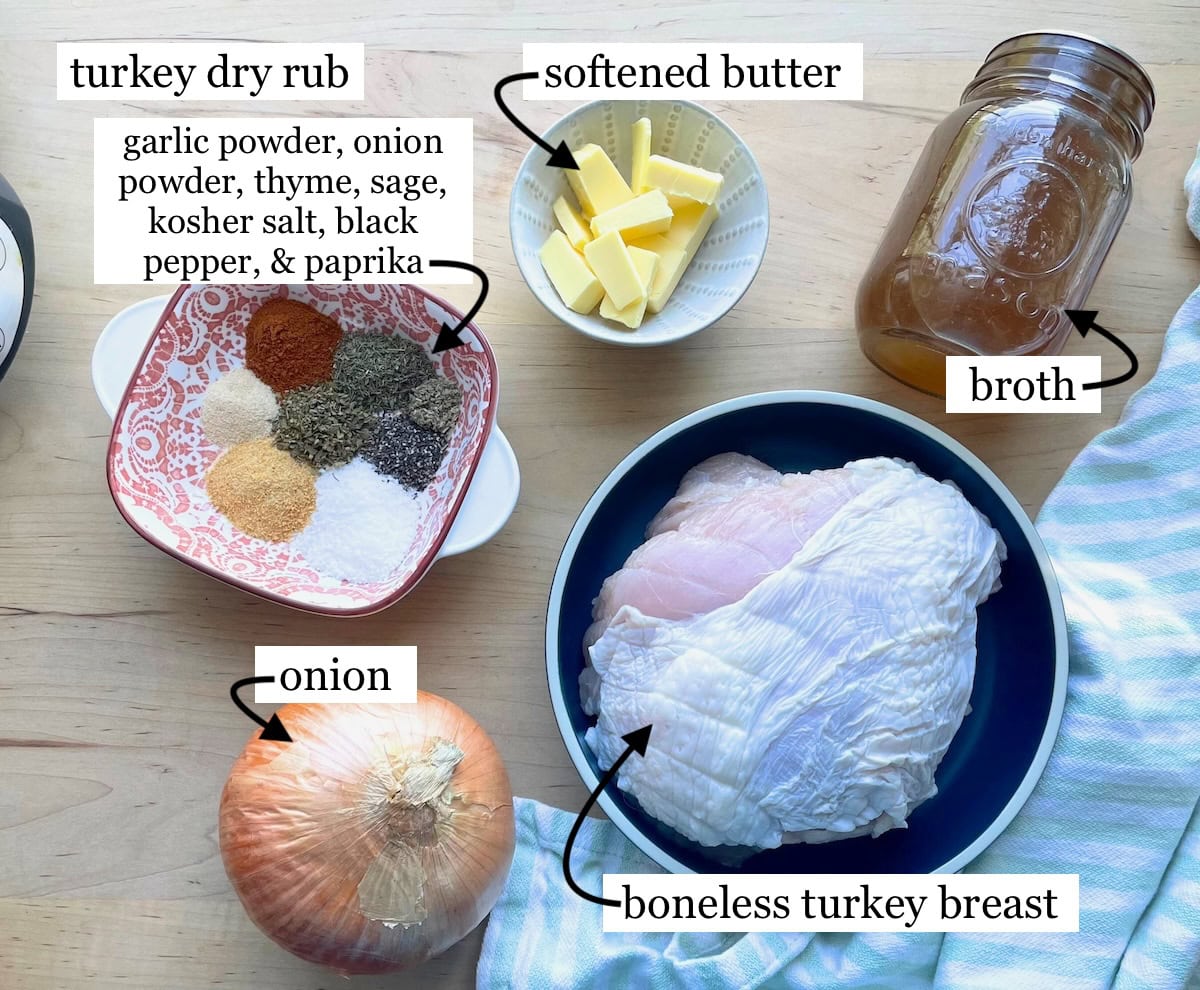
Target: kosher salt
x: 364, y: 525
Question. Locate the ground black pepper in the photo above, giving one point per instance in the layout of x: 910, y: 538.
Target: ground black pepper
x: 409, y: 453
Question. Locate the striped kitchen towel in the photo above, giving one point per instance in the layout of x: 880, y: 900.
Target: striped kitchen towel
x: 1119, y: 802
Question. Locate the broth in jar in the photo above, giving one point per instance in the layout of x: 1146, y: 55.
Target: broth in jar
x: 1010, y: 210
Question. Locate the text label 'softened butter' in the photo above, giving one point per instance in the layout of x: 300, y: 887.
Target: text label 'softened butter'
x: 698, y: 70
x: 575, y: 283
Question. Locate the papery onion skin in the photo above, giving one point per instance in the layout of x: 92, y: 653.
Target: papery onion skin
x: 302, y: 824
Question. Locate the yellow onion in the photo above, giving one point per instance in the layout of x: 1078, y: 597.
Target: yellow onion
x: 376, y: 839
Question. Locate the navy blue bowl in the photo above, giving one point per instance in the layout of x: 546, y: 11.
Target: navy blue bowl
x: 1020, y: 681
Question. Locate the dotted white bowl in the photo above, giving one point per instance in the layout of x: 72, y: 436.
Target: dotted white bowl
x: 728, y: 259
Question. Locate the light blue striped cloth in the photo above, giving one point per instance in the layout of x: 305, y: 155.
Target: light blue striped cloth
x: 1119, y: 802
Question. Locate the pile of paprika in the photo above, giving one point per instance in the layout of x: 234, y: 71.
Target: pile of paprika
x: 290, y: 345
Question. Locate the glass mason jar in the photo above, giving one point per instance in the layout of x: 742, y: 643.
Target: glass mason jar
x: 1010, y: 210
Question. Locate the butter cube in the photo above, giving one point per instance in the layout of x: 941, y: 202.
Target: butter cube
x: 572, y: 224
x: 641, y: 155
x: 691, y: 225
x: 570, y: 275
x: 672, y: 261
x: 677, y: 179
x: 675, y: 251
x: 609, y: 258
x: 641, y: 216
x: 597, y: 183
x: 646, y: 263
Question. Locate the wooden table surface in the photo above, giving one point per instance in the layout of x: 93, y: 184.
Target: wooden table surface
x: 116, y: 730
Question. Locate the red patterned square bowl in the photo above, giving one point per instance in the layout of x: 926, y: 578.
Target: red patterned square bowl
x: 159, y: 456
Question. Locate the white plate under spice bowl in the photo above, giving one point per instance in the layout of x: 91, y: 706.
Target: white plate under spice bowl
x: 151, y: 367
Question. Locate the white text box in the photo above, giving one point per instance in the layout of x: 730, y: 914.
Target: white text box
x: 835, y: 903
x: 1022, y: 384
x: 695, y: 70
x: 191, y: 70
x: 334, y: 675
x: 242, y: 200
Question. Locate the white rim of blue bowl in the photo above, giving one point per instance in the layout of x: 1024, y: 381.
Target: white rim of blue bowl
x: 630, y: 338
x: 611, y: 808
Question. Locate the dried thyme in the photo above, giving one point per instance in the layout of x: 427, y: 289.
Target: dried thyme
x: 380, y: 370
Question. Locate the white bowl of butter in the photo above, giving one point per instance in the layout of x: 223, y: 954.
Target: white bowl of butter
x: 694, y: 259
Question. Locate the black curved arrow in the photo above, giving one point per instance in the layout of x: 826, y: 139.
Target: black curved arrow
x: 448, y: 338
x: 561, y: 156
x: 637, y: 740
x: 273, y: 730
x: 1085, y: 320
